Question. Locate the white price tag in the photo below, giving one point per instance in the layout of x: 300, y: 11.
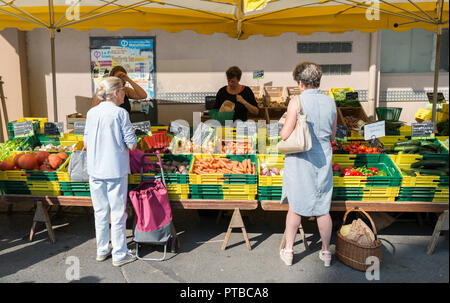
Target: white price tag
x: 374, y: 130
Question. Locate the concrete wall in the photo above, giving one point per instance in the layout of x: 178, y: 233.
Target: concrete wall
x: 14, y: 74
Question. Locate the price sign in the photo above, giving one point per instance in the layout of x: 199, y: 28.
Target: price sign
x: 440, y: 97
x: 422, y: 130
x: 179, y: 130
x: 341, y: 131
x: 351, y: 96
x: 54, y: 129
x: 202, y: 133
x: 78, y: 128
x: 143, y: 128
x: 374, y: 130
x: 23, y: 129
x: 258, y: 74
x: 246, y: 129
x: 210, y: 102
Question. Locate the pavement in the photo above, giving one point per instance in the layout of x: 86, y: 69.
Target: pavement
x: 200, y: 258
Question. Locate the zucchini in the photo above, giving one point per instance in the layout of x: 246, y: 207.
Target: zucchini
x: 429, y: 172
x: 409, y: 142
x: 430, y: 145
x: 430, y: 164
x: 407, y: 148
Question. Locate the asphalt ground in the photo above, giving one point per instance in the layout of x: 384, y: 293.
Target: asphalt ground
x: 200, y: 258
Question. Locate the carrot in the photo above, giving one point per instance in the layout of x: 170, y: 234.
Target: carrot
x: 244, y: 164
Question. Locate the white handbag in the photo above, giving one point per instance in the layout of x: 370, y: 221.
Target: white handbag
x: 300, y: 138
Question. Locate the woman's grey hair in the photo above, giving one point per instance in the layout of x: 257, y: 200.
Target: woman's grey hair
x: 309, y: 73
x: 107, y: 87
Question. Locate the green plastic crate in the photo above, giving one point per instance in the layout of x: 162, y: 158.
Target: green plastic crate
x: 390, y: 114
x: 45, y: 140
x: 36, y: 127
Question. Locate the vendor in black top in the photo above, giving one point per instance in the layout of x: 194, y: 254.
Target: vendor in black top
x: 134, y: 92
x: 242, y: 96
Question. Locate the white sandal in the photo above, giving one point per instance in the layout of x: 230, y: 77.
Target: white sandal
x: 326, y: 260
x: 286, y: 258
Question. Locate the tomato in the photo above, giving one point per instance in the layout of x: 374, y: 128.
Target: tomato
x: 347, y: 173
x: 375, y: 150
x: 358, y: 173
x: 336, y: 167
x: 362, y: 148
x: 369, y: 174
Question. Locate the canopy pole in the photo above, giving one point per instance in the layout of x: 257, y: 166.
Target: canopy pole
x: 439, y: 7
x: 55, y: 99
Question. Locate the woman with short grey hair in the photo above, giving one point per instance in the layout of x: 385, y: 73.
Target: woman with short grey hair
x: 108, y: 137
x: 308, y: 176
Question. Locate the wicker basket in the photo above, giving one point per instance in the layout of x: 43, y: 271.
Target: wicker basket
x: 354, y: 254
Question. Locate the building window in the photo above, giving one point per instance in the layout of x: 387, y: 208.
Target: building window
x: 324, y: 47
x: 412, y: 51
x: 336, y: 69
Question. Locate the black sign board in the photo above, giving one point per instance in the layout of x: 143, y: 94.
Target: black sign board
x: 201, y: 134
x: 351, y: 96
x: 23, y: 129
x: 143, y: 128
x: 179, y: 130
x: 341, y: 131
x: 78, y: 128
x: 210, y: 102
x: 422, y: 130
x: 54, y: 128
x: 440, y: 97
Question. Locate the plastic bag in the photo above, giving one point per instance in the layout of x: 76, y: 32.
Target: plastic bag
x: 78, y: 166
x: 135, y: 162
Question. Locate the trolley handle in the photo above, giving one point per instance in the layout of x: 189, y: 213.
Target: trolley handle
x: 143, y: 163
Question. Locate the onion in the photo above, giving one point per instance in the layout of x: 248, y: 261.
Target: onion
x: 274, y: 170
x: 265, y: 172
x: 272, y: 174
x: 264, y: 166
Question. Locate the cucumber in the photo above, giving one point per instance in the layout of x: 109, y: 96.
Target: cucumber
x: 430, y: 164
x: 409, y: 142
x: 407, y: 148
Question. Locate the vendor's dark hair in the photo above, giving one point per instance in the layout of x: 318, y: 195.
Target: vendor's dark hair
x: 309, y: 73
x: 117, y: 68
x: 234, y: 72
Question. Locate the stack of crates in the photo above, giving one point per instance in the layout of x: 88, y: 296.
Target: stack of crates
x: 421, y: 188
x: 367, y: 188
x: 223, y: 186
x: 177, y: 184
x: 269, y: 187
x: 30, y: 182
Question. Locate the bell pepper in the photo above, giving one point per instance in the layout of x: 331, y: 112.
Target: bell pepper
x: 374, y: 170
x: 347, y: 173
x: 358, y: 173
x: 382, y: 173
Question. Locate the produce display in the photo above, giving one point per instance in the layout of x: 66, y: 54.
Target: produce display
x: 270, y: 171
x: 187, y: 147
x: 351, y: 171
x: 235, y: 147
x: 340, y: 97
x: 214, y: 165
x: 8, y: 147
x: 357, y: 148
x: 427, y: 168
x: 53, y: 148
x: 42, y: 161
x: 417, y: 147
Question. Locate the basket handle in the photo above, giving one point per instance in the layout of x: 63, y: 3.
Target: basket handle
x: 366, y: 214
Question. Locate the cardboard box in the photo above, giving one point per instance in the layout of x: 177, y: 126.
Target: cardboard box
x: 72, y: 118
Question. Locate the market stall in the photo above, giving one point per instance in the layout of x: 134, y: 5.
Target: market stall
x: 223, y: 169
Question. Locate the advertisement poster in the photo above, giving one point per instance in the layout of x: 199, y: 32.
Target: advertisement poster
x: 135, y: 54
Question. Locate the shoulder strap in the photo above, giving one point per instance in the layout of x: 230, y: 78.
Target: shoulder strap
x: 299, y: 106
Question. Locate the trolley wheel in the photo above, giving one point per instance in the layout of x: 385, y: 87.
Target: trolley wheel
x: 174, y: 244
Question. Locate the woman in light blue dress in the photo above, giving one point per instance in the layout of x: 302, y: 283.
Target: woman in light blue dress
x: 308, y: 176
